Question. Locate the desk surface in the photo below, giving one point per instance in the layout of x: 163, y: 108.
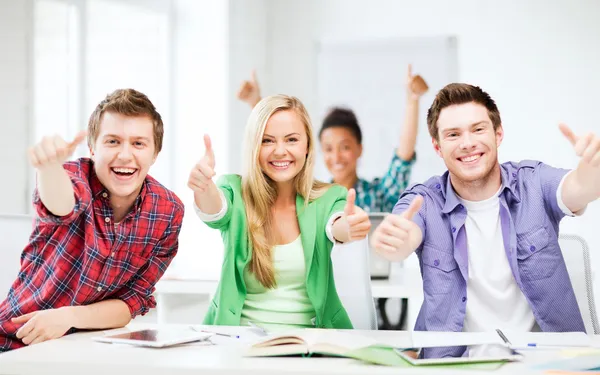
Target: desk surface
x: 78, y: 354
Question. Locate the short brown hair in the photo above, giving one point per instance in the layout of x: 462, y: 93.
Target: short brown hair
x: 460, y: 93
x: 127, y: 102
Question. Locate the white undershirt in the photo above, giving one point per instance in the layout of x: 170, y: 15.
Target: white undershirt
x: 494, y: 300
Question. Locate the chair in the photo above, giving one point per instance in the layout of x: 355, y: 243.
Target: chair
x: 14, y: 234
x: 575, y: 251
x: 353, y: 282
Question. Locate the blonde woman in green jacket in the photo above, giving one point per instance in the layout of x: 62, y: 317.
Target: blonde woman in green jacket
x: 278, y: 225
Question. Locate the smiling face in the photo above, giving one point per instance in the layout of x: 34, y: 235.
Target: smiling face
x: 468, y: 142
x: 341, y: 152
x: 284, y: 147
x: 123, y: 153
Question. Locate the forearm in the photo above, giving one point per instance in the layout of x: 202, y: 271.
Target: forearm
x: 579, y: 189
x: 410, y: 128
x: 111, y: 313
x: 209, y: 201
x: 56, y: 189
x: 340, y: 230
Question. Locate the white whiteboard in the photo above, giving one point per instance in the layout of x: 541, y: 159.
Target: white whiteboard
x: 369, y: 77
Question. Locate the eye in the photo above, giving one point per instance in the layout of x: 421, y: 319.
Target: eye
x: 479, y: 129
x: 292, y: 139
x: 266, y: 140
x: 452, y: 135
x: 112, y: 141
x: 138, y: 144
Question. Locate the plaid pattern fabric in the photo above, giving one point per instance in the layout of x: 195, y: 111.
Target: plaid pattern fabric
x: 381, y: 194
x: 84, y: 258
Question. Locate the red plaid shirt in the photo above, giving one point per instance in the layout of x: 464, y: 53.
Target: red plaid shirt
x: 83, y: 258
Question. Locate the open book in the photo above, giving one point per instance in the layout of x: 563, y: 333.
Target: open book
x: 306, y: 342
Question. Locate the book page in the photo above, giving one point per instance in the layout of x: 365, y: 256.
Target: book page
x: 431, y: 339
x: 524, y: 339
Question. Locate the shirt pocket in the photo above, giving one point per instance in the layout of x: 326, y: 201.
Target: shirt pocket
x: 440, y: 271
x: 537, y: 255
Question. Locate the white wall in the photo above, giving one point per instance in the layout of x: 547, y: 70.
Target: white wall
x: 15, y: 38
x: 538, y: 59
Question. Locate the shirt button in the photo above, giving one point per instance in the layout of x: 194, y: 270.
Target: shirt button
x: 99, y: 288
x: 438, y: 186
x: 453, y: 229
x: 532, y: 248
x: 460, y: 206
x: 107, y: 219
x: 464, y: 299
x: 104, y: 195
x: 436, y: 262
x: 112, y: 254
x: 514, y: 174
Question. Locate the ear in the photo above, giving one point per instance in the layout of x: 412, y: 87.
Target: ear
x: 360, y: 150
x: 436, y: 147
x: 499, y: 135
x: 91, y: 153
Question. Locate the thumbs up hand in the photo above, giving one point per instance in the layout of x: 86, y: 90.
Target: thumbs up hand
x: 587, y: 147
x: 53, y: 150
x: 249, y: 91
x: 203, y: 172
x: 357, y: 219
x: 398, y: 235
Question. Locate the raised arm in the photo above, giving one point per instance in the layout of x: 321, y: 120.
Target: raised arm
x: 206, y: 193
x: 53, y: 183
x: 415, y: 88
x: 582, y: 186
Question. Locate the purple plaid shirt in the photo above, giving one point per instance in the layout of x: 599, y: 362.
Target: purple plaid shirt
x: 529, y: 216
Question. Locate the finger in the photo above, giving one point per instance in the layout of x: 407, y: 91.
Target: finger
x: 208, y: 147
x: 409, y: 72
x: 23, y: 318
x: 25, y: 330
x: 362, y: 226
x: 196, y: 187
x: 79, y: 137
x: 384, y: 248
x: 30, y: 337
x: 591, y: 149
x: 254, y: 78
x: 582, y: 144
x: 33, y: 158
x: 395, y: 232
x: 38, y: 339
x: 596, y: 160
x: 47, y: 145
x: 243, y: 90
x: 61, y: 147
x: 568, y: 133
x: 203, y: 171
x: 390, y: 241
x: 199, y: 184
x: 350, y: 198
x: 413, y: 208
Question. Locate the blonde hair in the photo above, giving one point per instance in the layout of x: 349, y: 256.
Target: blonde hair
x: 259, y: 192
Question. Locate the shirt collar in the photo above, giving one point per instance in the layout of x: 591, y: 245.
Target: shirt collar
x: 98, y: 190
x: 509, y: 179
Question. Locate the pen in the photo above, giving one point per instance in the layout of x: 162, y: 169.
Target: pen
x: 503, y: 337
x: 215, y: 333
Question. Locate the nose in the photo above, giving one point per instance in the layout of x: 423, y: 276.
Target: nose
x: 467, y: 141
x: 280, y: 149
x: 125, y: 152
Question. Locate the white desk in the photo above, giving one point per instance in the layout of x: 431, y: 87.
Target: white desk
x: 77, y: 354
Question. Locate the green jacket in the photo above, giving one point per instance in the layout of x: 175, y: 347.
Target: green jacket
x: 226, y: 306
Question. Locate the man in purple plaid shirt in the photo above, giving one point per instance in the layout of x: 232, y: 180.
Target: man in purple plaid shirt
x: 486, y: 233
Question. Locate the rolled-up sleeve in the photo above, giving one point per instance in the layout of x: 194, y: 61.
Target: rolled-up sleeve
x: 137, y: 293
x: 83, y: 199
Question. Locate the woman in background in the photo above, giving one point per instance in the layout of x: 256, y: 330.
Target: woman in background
x: 341, y: 143
x: 278, y: 225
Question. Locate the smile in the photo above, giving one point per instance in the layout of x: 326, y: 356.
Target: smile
x: 470, y: 158
x: 280, y: 165
x: 123, y: 173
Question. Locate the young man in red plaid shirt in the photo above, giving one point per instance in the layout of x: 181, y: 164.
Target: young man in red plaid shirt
x: 104, y: 233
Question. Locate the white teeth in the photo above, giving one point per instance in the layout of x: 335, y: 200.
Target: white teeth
x: 471, y: 158
x: 281, y: 164
x: 124, y: 170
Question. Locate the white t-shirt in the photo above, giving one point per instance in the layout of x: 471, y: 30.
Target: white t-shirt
x: 494, y: 300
